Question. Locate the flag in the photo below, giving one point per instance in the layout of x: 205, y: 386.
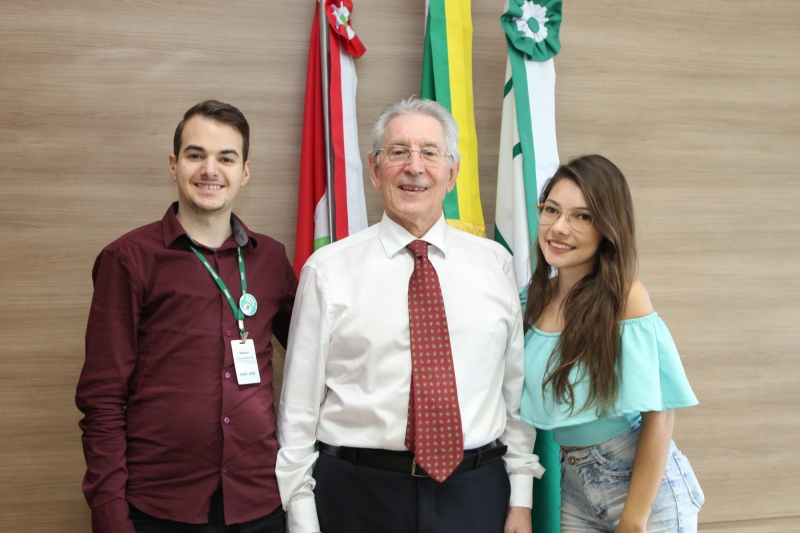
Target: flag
x: 528, y: 151
x: 528, y: 158
x: 447, y: 78
x: 350, y: 212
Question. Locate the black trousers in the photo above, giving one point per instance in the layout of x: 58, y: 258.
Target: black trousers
x: 275, y: 522
x: 361, y: 499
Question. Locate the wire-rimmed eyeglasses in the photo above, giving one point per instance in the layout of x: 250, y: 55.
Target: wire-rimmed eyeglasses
x: 578, y: 219
x: 398, y: 153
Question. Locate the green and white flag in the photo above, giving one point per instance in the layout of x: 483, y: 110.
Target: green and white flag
x: 528, y: 150
x: 528, y: 158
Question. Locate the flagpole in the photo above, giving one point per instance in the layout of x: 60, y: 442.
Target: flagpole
x: 326, y: 117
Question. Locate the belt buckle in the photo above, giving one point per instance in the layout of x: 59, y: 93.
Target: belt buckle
x: 414, y: 470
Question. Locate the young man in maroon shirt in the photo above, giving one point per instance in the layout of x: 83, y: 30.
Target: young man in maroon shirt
x: 176, y: 389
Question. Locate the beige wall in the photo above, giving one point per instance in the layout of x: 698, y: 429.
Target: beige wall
x: 696, y: 101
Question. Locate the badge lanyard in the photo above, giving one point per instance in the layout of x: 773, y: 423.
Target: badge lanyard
x: 247, y: 301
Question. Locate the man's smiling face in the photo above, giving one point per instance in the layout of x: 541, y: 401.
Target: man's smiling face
x: 209, y: 168
x: 413, y: 190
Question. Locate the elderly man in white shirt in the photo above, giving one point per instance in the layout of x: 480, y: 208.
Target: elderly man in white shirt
x: 366, y: 429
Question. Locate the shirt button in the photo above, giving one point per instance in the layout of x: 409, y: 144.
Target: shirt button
x: 226, y: 420
x: 227, y: 375
x: 228, y: 333
x: 224, y: 469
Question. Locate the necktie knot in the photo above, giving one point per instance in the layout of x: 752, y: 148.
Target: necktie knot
x: 419, y: 248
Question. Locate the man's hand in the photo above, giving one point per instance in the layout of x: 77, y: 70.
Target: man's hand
x: 518, y: 520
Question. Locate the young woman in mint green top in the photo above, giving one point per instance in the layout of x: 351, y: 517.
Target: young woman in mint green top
x: 601, y: 369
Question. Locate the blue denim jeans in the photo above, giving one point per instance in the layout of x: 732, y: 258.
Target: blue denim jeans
x: 595, y: 483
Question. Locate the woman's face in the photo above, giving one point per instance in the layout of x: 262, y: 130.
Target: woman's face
x: 564, y: 247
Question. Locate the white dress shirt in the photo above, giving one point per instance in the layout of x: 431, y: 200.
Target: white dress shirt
x: 348, y: 364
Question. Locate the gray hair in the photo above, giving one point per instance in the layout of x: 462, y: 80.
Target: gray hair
x: 414, y: 106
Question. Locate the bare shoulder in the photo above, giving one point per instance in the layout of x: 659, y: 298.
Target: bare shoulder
x: 638, y: 303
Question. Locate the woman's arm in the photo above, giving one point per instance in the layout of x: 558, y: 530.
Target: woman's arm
x: 649, y: 464
x: 638, y: 302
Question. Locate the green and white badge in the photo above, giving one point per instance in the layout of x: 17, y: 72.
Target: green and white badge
x: 248, y: 304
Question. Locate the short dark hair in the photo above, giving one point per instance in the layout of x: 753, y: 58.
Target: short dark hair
x: 218, y: 112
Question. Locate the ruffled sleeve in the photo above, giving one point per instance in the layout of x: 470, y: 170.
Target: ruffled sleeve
x: 653, y: 378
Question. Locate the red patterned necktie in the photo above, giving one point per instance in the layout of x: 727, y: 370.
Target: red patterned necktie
x: 434, y: 432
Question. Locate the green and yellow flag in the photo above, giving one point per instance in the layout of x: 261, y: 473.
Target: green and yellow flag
x: 447, y: 79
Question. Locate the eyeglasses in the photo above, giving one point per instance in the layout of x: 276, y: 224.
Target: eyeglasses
x: 397, y: 153
x: 578, y: 219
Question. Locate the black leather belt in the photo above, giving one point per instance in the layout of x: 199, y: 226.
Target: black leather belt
x: 403, y: 461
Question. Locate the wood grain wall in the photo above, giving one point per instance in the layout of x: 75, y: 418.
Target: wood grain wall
x: 696, y: 102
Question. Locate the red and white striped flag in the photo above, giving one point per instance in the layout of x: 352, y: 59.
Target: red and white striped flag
x: 350, y: 213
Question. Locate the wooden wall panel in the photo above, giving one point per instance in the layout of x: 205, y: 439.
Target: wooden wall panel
x: 696, y: 102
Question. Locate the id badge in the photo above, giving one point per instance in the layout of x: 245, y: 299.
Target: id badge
x: 245, y: 362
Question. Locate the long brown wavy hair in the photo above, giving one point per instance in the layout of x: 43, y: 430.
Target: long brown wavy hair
x: 593, y: 308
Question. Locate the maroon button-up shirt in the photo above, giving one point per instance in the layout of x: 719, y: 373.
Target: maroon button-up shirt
x: 166, y: 422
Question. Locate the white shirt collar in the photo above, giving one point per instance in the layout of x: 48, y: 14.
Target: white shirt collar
x: 395, y: 237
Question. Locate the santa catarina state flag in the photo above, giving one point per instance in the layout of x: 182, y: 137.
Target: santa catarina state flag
x: 350, y: 212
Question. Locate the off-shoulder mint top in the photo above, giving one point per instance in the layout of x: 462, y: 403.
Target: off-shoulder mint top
x: 653, y: 379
